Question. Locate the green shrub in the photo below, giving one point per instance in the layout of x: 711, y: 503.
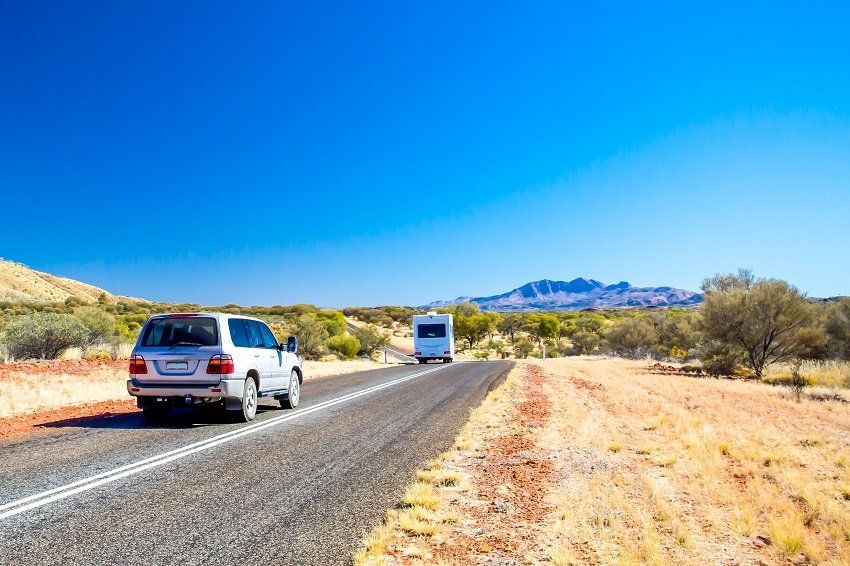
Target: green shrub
x: 523, y: 347
x: 631, y: 337
x: 334, y: 322
x: 718, y: 358
x: 99, y: 323
x: 346, y: 346
x: 44, y: 335
x: 586, y: 342
x: 371, y: 339
x: 311, y: 335
x: 481, y: 355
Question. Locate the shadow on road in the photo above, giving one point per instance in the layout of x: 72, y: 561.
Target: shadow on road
x: 178, y: 418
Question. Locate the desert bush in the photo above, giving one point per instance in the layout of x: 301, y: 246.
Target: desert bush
x: 678, y: 331
x: 766, y: 319
x: 837, y: 329
x: 481, y: 355
x: 44, y: 335
x: 586, y: 342
x: 631, y: 337
x: 345, y: 345
x: 718, y: 358
x: 312, y: 336
x: 523, y: 347
x: 371, y: 339
x: 334, y: 322
x: 99, y: 323
x: 497, y: 346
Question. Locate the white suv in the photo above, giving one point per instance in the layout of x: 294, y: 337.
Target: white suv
x: 227, y: 359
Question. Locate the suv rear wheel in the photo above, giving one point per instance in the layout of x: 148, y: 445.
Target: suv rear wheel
x: 294, y: 394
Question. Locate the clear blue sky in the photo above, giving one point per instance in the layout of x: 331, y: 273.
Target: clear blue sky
x: 379, y: 153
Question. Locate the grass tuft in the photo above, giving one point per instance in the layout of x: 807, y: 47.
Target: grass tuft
x: 421, y: 494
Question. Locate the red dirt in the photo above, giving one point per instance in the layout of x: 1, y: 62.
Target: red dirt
x: 71, y: 367
x: 32, y: 422
x: 516, y: 463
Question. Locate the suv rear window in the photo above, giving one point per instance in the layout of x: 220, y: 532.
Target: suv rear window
x: 174, y: 331
x: 431, y: 331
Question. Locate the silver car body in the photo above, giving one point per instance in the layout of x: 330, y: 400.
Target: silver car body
x: 180, y: 370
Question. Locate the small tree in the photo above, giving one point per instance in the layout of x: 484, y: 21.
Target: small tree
x: 632, y: 337
x: 471, y: 327
x: 345, y: 345
x: 510, y: 325
x: 371, y: 339
x: 767, y: 319
x: 44, y: 335
x: 312, y: 336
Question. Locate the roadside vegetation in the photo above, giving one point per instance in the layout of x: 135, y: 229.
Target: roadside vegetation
x: 108, y: 328
x: 604, y: 461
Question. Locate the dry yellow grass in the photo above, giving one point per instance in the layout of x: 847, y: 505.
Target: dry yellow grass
x: 22, y: 393
x: 19, y: 282
x: 656, y: 469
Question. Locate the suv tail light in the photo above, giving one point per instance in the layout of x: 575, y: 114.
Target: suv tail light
x: 138, y: 365
x: 220, y: 364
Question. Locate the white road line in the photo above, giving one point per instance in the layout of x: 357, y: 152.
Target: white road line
x: 49, y: 496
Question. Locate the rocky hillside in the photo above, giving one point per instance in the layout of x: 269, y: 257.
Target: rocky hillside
x: 579, y: 294
x: 20, y: 283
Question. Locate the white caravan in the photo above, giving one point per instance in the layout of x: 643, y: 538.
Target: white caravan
x: 433, y: 337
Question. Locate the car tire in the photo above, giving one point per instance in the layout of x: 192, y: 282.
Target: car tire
x: 155, y: 414
x: 249, y: 400
x: 291, y: 401
x: 423, y: 361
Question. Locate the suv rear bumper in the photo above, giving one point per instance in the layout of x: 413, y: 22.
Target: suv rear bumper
x: 227, y: 388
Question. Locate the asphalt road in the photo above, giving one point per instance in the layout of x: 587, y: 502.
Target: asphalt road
x: 295, y: 487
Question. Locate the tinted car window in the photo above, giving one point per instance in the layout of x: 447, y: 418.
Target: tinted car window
x: 255, y: 337
x: 431, y: 331
x: 269, y: 341
x: 239, y: 332
x: 173, y: 331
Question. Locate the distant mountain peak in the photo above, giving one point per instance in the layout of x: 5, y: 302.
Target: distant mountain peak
x: 580, y: 293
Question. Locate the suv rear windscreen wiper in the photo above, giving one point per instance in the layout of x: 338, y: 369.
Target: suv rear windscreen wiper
x: 184, y: 344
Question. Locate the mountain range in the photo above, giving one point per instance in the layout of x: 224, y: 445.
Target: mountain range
x: 578, y: 294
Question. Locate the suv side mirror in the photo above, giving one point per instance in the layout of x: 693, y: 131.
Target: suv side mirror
x: 292, y: 344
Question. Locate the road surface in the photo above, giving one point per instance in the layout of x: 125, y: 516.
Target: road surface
x: 296, y: 487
